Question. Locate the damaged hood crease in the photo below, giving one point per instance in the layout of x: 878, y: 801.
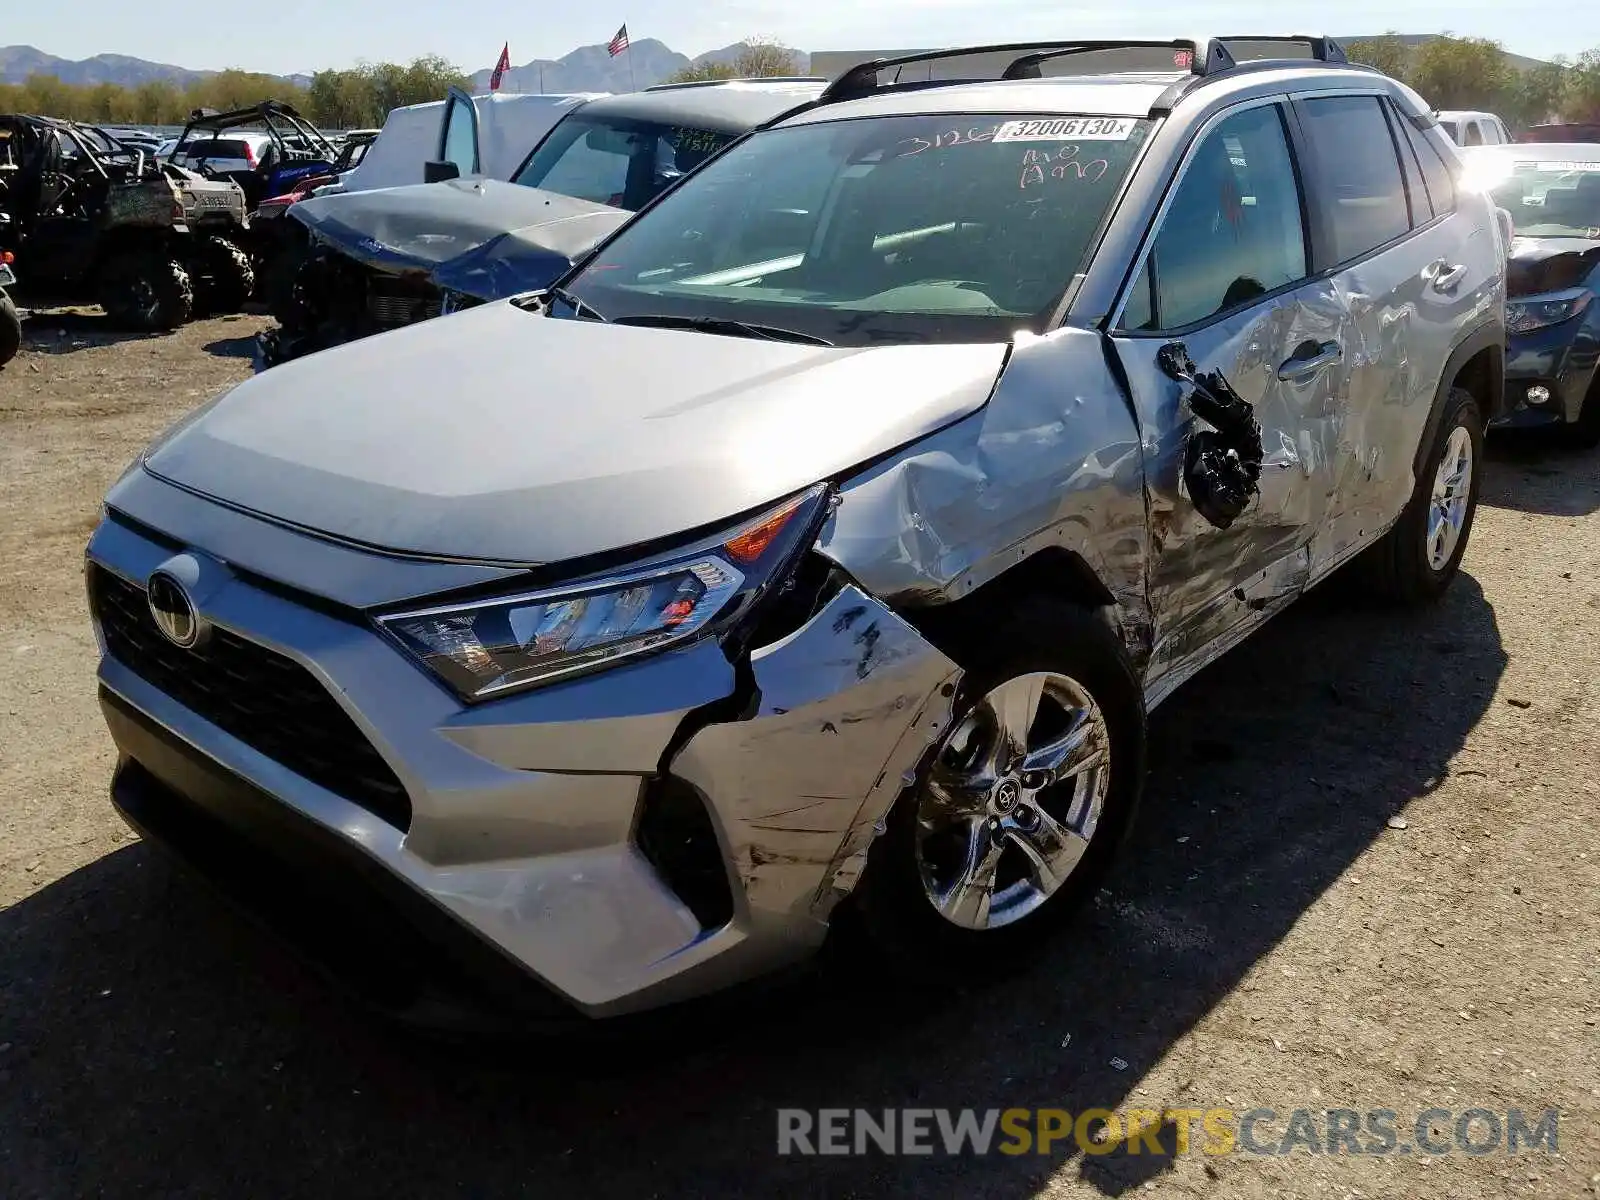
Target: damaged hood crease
x: 483, y: 237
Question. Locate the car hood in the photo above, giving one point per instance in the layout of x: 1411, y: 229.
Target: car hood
x: 505, y: 436
x: 480, y: 236
x: 1549, y: 264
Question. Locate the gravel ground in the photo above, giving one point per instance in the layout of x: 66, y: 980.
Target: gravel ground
x: 1279, y: 935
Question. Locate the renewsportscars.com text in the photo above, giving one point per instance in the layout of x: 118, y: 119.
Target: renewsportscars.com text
x: 1172, y: 1131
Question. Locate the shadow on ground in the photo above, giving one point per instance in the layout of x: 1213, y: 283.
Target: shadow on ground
x: 67, y: 330
x: 1539, y: 472
x: 235, y: 347
x: 156, y: 1045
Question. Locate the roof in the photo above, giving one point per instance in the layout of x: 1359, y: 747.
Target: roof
x: 1089, y: 95
x: 1539, y: 151
x: 731, y: 107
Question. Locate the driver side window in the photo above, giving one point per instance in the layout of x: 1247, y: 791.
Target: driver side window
x: 1233, y: 231
x: 461, y: 137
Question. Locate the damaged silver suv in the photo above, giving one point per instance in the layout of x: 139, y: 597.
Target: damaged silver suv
x: 820, y: 545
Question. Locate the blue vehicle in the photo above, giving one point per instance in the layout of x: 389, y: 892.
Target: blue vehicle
x: 1552, y: 318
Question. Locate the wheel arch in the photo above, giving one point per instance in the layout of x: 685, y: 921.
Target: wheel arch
x: 1478, y: 364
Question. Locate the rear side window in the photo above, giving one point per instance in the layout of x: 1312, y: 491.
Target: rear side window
x: 1435, y: 174
x: 1234, y: 230
x: 1359, y: 172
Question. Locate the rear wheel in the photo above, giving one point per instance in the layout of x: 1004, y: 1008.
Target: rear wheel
x: 146, y: 291
x: 223, y: 276
x: 10, y: 330
x: 1012, y: 818
x: 1416, y: 560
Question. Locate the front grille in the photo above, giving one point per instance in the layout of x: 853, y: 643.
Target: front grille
x: 270, y: 703
x: 394, y: 302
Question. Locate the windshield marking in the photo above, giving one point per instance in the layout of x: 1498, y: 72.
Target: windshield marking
x: 1067, y: 129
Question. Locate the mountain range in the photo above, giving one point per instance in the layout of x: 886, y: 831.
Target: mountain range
x: 586, y: 69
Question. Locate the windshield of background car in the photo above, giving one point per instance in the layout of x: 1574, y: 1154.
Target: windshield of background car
x: 915, y: 228
x: 1546, y: 196
x: 616, y: 161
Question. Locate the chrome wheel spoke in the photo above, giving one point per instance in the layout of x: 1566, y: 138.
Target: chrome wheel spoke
x: 1051, y: 850
x: 1015, y: 705
x: 1452, y: 492
x: 966, y: 901
x: 961, y: 793
x: 1069, y: 755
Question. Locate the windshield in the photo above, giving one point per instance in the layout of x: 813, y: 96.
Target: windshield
x: 1546, y: 198
x: 611, y: 160
x: 915, y: 228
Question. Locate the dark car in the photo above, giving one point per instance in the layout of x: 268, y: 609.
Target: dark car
x: 393, y: 256
x: 1552, y: 318
x: 1583, y: 131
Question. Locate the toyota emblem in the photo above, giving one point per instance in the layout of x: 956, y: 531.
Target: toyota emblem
x: 173, y: 611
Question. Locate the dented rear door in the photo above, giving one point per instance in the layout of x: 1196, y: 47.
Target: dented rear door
x: 1225, y: 282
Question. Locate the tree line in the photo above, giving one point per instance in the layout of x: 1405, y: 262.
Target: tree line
x: 359, y: 97
x: 1475, y: 74
x: 1449, y: 72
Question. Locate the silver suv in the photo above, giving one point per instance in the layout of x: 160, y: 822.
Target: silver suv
x: 820, y: 545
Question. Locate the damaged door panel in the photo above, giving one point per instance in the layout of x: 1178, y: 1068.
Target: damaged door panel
x: 1226, y: 271
x: 848, y: 705
x: 1052, y: 462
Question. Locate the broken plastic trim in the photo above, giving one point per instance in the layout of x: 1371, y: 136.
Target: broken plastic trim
x: 1222, y: 465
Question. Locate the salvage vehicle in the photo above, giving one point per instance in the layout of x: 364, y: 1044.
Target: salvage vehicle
x: 10, y: 319
x: 1473, y: 128
x: 264, y: 148
x: 811, y: 556
x: 279, y: 247
x: 389, y: 258
x: 1552, y: 315
x: 93, y: 221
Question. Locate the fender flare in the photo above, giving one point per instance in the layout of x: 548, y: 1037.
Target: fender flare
x: 1489, y: 335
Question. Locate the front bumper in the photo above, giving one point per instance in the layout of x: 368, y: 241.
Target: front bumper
x: 1562, y: 359
x: 639, y: 837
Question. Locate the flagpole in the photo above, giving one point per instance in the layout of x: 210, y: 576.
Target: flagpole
x: 633, y: 84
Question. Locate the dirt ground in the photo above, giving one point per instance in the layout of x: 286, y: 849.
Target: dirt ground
x: 1279, y: 935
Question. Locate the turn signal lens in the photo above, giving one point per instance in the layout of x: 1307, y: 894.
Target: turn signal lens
x: 749, y: 545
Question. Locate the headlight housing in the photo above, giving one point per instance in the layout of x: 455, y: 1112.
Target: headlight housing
x: 487, y: 648
x: 1528, y: 313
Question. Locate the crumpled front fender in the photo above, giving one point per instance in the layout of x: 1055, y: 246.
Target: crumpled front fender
x: 849, y: 704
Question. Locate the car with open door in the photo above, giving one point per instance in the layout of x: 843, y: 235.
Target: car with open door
x: 382, y: 259
x: 813, y: 554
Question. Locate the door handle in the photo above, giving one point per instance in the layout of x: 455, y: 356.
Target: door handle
x: 1310, y: 358
x: 1448, y: 277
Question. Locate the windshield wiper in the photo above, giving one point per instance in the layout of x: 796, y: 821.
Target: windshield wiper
x: 578, y: 306
x: 771, y: 333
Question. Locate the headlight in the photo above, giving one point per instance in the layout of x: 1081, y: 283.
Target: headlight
x: 489, y: 647
x: 1540, y: 312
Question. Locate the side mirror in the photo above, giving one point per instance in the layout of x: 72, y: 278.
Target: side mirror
x: 438, y: 172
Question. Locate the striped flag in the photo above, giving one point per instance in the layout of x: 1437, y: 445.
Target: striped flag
x: 619, y: 43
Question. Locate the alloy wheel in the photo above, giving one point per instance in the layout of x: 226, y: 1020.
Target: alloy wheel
x: 1452, y: 492
x: 1013, y: 797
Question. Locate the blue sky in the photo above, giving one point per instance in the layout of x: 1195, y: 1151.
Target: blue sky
x: 302, y: 35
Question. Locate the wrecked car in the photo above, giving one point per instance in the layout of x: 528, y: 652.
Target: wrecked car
x: 388, y: 258
x: 92, y: 221
x: 811, y: 556
x: 265, y: 148
x: 1552, y: 284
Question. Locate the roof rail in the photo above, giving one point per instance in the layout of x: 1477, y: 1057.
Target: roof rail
x: 699, y: 83
x: 1202, y: 56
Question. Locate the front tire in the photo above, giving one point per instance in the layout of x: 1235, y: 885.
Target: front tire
x: 1417, y: 559
x: 148, y: 292
x: 1014, y: 815
x: 1584, y: 433
x: 10, y: 330
x: 224, y: 277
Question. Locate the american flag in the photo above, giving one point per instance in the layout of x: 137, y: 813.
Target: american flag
x: 619, y: 43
